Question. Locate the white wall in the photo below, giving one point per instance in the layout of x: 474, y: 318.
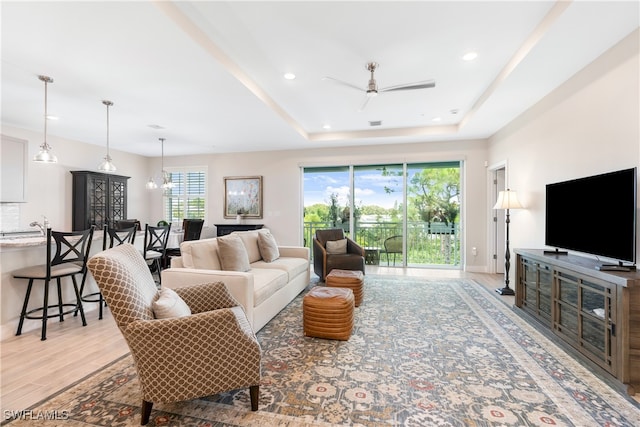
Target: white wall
x: 282, y: 189
x: 49, y: 185
x: 589, y: 125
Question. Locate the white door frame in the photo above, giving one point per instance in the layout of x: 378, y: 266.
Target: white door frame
x: 496, y: 243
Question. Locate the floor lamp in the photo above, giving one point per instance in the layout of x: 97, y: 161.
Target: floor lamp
x: 507, y: 200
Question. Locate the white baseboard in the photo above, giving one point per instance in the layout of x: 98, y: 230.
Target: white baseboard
x: 476, y: 269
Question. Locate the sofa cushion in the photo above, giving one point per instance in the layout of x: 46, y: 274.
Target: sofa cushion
x: 268, y: 246
x: 169, y: 304
x: 250, y: 240
x: 337, y: 247
x: 266, y: 282
x: 201, y: 254
x: 232, y: 253
x: 292, y: 266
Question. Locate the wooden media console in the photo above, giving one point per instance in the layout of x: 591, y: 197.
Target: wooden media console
x: 595, y: 312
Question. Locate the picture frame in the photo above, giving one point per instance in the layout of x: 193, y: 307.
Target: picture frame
x: 243, y: 196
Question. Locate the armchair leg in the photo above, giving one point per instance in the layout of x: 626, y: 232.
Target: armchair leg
x: 254, y: 392
x: 145, y: 412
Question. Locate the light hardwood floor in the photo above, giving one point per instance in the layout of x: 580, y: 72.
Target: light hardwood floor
x: 32, y: 370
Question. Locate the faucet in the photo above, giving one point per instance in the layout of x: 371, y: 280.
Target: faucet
x: 37, y: 224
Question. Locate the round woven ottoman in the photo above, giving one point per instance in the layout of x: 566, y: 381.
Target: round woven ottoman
x: 328, y: 313
x: 352, y: 279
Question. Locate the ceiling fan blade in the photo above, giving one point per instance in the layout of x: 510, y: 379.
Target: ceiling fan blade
x: 365, y: 103
x: 344, y: 83
x: 419, y: 85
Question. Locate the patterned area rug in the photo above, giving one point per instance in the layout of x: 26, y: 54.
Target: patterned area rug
x: 438, y: 352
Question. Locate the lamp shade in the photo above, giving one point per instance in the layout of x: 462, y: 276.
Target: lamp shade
x: 507, y: 200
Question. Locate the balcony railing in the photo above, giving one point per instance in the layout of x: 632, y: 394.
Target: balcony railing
x: 432, y: 243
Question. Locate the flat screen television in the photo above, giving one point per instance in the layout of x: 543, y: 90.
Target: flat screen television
x: 594, y: 215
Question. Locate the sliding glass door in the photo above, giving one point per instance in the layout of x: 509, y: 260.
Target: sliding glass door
x: 403, y: 214
x: 433, y: 214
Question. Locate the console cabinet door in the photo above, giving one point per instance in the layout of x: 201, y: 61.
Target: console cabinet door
x: 98, y: 199
x: 585, y: 316
x: 536, y: 281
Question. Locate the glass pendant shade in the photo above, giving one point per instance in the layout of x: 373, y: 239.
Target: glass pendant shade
x: 151, y: 184
x: 107, y: 165
x: 45, y: 155
x: 166, y: 180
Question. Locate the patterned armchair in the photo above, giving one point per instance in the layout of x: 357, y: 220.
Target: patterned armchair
x: 349, y: 256
x: 178, y: 358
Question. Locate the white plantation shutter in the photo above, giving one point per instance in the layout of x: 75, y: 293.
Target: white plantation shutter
x: 187, y: 198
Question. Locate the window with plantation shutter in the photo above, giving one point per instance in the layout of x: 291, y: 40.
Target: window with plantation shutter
x: 187, y: 197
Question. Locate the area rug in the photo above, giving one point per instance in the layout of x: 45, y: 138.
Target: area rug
x: 439, y: 352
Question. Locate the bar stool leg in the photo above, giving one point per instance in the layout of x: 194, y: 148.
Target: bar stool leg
x: 79, y: 300
x: 23, y: 313
x: 157, y: 261
x: 60, y: 300
x: 101, y: 302
x: 45, y: 310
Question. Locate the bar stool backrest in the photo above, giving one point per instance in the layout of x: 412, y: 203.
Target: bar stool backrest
x: 155, y: 238
x: 192, y: 228
x: 118, y: 236
x: 71, y: 247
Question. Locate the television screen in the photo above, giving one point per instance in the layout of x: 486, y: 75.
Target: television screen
x: 594, y: 215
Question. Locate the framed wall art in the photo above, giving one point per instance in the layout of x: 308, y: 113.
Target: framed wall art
x: 243, y: 196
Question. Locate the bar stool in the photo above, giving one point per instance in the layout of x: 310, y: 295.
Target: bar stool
x: 155, y: 246
x: 111, y: 237
x: 192, y: 231
x: 70, y: 259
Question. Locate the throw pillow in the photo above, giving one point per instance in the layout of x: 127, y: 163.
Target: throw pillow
x: 233, y: 255
x: 268, y: 246
x: 169, y: 304
x: 337, y: 247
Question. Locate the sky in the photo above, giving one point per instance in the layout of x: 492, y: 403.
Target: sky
x: 369, y: 188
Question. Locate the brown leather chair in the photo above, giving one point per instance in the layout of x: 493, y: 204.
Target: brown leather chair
x: 324, y: 262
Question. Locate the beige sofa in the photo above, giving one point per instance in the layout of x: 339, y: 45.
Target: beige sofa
x: 263, y: 291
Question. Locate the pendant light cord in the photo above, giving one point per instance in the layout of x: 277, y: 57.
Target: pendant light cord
x: 108, y: 130
x: 45, y: 111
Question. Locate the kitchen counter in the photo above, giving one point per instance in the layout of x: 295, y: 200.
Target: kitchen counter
x: 21, y: 242
x: 19, y: 252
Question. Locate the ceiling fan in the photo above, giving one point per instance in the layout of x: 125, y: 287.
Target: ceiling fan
x: 372, y: 87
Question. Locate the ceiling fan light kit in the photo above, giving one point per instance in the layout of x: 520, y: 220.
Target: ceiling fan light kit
x: 372, y: 89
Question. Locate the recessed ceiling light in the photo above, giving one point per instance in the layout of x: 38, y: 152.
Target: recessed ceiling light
x: 289, y: 76
x: 454, y: 111
x: 436, y: 119
x: 158, y: 127
x: 326, y: 127
x: 49, y: 117
x: 470, y: 56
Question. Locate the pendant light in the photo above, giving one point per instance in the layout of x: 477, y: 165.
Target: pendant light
x: 166, y: 177
x: 45, y: 155
x: 107, y: 165
x: 151, y: 184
